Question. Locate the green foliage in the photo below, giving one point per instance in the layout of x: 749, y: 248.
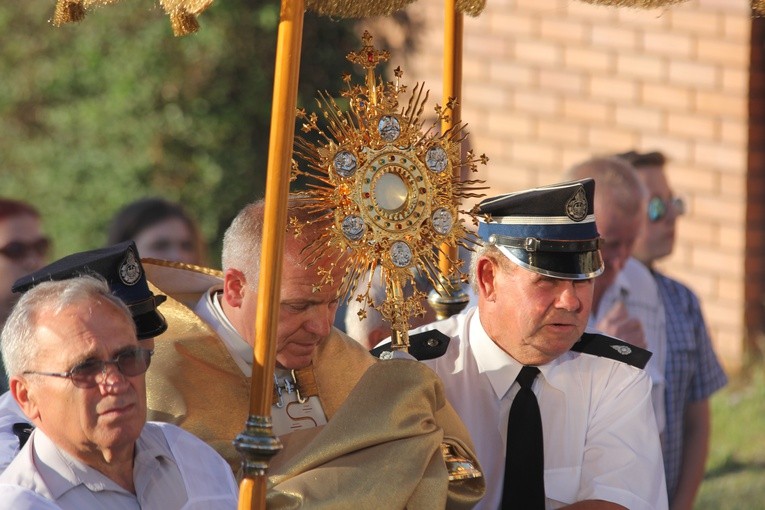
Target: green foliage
x: 736, y: 463
x: 97, y: 114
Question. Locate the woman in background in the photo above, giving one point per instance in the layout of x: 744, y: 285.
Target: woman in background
x: 161, y: 229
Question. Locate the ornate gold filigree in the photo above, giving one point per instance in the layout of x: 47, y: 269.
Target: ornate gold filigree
x: 387, y: 187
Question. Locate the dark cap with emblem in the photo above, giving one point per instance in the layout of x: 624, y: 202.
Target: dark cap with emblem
x: 549, y: 230
x: 121, y: 267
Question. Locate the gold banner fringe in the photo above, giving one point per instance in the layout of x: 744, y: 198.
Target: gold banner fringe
x: 356, y: 8
x: 471, y: 7
x: 183, y: 23
x: 758, y: 6
x: 68, y: 11
x: 643, y: 4
x: 190, y: 6
x: 183, y: 12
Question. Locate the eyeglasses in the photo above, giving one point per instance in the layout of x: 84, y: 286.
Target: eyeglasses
x: 18, y: 250
x: 92, y: 372
x: 658, y: 207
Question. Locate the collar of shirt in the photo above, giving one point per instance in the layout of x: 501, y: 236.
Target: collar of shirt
x: 500, y: 368
x: 62, y: 472
x: 208, y: 308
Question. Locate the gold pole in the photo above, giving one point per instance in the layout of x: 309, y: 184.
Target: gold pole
x: 446, y: 306
x: 257, y: 443
x: 399, y: 321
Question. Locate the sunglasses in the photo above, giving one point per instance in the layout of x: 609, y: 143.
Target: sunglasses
x: 658, y: 207
x: 92, y: 372
x: 18, y: 250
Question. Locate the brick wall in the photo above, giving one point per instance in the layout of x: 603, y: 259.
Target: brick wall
x: 547, y: 83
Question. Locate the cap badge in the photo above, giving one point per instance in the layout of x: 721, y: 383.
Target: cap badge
x: 576, y: 207
x: 130, y: 269
x: 622, y: 349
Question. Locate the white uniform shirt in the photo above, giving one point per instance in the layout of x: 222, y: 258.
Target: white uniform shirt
x: 290, y: 414
x: 600, y: 437
x: 172, y: 470
x: 25, y: 499
x: 10, y: 413
x: 636, y: 286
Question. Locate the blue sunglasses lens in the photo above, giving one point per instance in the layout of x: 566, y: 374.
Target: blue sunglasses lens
x: 658, y: 207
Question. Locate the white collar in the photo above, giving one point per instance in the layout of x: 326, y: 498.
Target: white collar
x: 209, y: 309
x: 500, y: 368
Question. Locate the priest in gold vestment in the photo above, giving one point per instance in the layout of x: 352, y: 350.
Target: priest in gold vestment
x: 357, y: 432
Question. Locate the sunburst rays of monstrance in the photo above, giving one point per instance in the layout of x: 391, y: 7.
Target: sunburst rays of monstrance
x: 387, y: 188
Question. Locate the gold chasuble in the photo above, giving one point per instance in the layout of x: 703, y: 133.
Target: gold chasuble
x: 381, y: 449
x: 194, y: 382
x: 386, y: 419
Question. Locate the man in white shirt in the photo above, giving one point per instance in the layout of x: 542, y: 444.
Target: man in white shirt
x: 626, y: 302
x: 534, y: 280
x: 77, y: 371
x: 110, y: 263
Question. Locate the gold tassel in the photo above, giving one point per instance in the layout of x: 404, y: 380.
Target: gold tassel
x: 355, y: 8
x: 758, y: 7
x: 644, y: 4
x: 68, y: 11
x: 470, y: 7
x: 183, y: 22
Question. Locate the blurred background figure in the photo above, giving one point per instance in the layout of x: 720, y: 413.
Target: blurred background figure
x: 692, y: 370
x: 161, y: 229
x: 23, y: 249
x: 625, y: 302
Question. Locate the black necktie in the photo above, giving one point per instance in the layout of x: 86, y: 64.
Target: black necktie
x: 524, y: 487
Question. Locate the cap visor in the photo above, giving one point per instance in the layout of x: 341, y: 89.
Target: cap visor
x: 570, y: 266
x: 150, y: 324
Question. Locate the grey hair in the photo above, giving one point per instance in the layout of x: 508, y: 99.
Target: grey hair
x: 18, y: 338
x: 243, y: 239
x: 489, y: 251
x: 616, y: 178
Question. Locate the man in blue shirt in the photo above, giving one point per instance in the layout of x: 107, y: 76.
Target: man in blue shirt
x: 692, y: 371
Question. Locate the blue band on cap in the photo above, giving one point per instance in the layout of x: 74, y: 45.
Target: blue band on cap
x: 568, y: 232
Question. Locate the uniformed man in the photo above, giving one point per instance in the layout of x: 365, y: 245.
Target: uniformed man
x: 334, y: 405
x: 521, y: 361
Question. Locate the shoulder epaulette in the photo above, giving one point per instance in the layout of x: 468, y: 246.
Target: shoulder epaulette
x: 610, y: 347
x: 422, y: 346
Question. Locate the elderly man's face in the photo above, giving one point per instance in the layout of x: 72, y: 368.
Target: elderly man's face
x: 305, y: 316
x: 87, y: 422
x: 532, y: 317
x: 619, y: 232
